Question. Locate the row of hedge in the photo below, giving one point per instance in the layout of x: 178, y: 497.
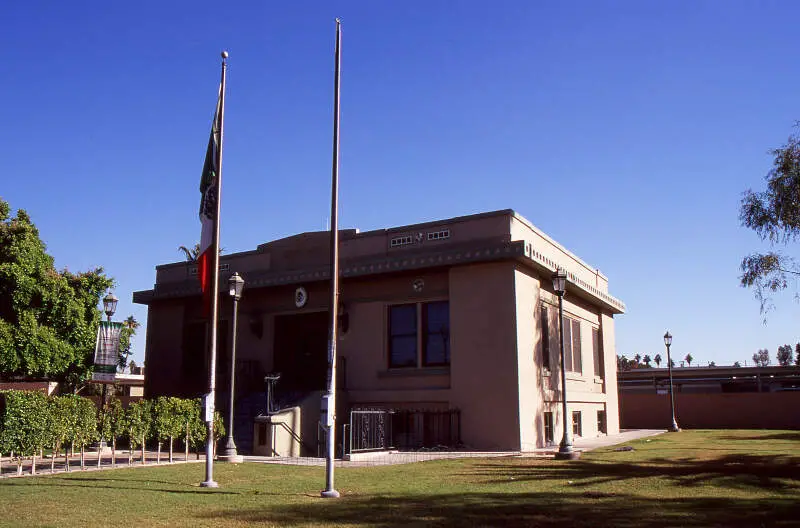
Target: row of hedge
x: 31, y: 422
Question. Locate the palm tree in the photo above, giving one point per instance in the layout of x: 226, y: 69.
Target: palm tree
x: 191, y: 254
x: 647, y: 360
x: 637, y: 358
x: 129, y: 327
x: 131, y: 323
x: 657, y: 359
x: 689, y: 359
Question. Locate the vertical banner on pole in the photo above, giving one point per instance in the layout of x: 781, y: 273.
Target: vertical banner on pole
x: 106, y: 352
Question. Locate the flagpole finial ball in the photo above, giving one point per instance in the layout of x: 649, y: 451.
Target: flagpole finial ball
x: 224, y: 54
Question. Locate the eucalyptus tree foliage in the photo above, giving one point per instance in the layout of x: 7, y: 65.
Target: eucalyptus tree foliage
x: 774, y: 214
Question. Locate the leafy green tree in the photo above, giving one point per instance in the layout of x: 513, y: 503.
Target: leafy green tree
x: 647, y: 360
x: 138, y: 419
x: 85, y: 424
x: 689, y: 359
x: 774, y: 214
x: 48, y: 318
x: 169, y: 422
x: 623, y: 363
x: 23, y: 425
x: 657, y: 359
x: 63, y: 413
x: 784, y: 355
x: 111, y: 425
x: 116, y: 425
x: 737, y: 364
x: 761, y: 358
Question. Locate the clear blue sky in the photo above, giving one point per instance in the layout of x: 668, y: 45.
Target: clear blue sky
x: 626, y: 130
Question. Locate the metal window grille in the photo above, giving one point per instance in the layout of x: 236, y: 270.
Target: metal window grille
x: 381, y: 429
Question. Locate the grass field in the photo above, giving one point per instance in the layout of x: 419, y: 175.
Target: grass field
x: 692, y: 478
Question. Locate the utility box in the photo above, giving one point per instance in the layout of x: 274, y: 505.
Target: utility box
x: 278, y: 435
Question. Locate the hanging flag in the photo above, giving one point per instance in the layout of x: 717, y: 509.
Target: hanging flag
x: 208, y: 209
x: 106, y: 352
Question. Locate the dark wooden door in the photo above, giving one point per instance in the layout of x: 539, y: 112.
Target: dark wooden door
x: 301, y: 342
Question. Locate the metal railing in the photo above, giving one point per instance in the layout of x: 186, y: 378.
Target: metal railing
x: 407, y: 429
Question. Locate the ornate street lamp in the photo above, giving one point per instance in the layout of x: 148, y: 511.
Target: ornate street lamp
x: 674, y: 427
x: 110, y: 304
x: 109, y: 307
x: 565, y: 451
x: 235, y: 287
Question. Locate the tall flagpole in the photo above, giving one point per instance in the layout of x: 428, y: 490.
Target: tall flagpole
x: 209, y: 482
x: 329, y: 400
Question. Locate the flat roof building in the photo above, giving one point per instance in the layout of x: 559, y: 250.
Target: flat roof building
x: 452, y: 314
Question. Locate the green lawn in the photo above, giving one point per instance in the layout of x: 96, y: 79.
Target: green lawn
x: 692, y: 478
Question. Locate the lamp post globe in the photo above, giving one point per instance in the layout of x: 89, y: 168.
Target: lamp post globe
x: 110, y: 304
x: 229, y: 452
x: 565, y: 450
x: 674, y: 425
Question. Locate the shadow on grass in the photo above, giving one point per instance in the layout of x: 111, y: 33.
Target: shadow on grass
x: 521, y: 509
x: 776, y: 473
x: 791, y: 437
x: 64, y: 483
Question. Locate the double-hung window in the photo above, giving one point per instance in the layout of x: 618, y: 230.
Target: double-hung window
x: 419, y: 335
x: 545, y: 324
x: 572, y: 345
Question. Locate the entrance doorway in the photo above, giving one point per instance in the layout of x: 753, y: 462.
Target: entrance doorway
x: 300, y: 351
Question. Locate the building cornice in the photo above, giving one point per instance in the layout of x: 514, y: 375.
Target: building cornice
x: 399, y: 263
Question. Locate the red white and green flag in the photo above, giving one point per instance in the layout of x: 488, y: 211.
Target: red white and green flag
x: 209, y: 194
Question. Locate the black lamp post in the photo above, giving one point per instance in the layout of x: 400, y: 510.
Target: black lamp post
x: 235, y: 287
x: 565, y: 451
x: 109, y: 307
x: 674, y: 427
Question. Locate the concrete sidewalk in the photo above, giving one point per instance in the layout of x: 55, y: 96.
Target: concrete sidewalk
x: 384, y: 458
x: 626, y: 435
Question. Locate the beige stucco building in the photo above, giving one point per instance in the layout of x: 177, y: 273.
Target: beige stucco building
x: 452, y: 314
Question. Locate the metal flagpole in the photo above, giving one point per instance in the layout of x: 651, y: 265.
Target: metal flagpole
x: 209, y: 482
x: 329, y: 399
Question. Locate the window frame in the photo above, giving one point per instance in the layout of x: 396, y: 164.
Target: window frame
x: 421, y: 333
x: 577, y: 423
x: 549, y: 429
x: 597, y: 353
x: 426, y: 332
x: 602, y: 421
x: 544, y: 321
x: 391, y: 336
